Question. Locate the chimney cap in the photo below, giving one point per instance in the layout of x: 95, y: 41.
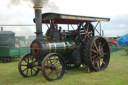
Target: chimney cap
x: 37, y: 7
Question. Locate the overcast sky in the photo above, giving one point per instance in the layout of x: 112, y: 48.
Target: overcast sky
x: 23, y: 13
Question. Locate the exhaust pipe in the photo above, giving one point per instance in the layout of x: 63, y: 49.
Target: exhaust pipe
x: 38, y: 21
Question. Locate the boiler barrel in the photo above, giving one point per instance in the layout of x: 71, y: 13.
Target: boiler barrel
x: 42, y: 48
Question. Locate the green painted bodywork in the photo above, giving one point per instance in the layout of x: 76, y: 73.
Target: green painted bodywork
x: 8, y: 52
x: 63, y: 47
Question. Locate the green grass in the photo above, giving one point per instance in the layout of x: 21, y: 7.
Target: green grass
x: 119, y: 53
x: 115, y: 74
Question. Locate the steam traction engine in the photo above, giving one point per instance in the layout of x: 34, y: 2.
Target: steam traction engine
x: 60, y: 49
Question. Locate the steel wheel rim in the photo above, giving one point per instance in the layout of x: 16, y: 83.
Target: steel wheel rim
x: 100, y: 54
x: 28, y: 66
x: 53, y: 67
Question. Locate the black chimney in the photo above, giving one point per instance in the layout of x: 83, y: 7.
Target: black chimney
x: 38, y: 21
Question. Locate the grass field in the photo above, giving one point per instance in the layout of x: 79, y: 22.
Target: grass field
x: 115, y: 74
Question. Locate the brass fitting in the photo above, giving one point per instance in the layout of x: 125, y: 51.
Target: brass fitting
x: 37, y: 7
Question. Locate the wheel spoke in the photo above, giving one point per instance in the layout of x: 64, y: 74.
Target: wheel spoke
x: 50, y: 61
x: 103, y: 62
x: 102, y: 56
x: 58, y: 70
x: 95, y: 46
x: 58, y: 65
x: 50, y: 72
x: 103, y: 45
x: 98, y: 63
x: 87, y: 35
x: 94, y: 51
x: 85, y: 30
x: 33, y: 60
x: 56, y: 61
x: 24, y: 69
x: 31, y: 71
x: 25, y: 60
x: 28, y: 59
x: 94, y: 56
x: 27, y: 71
x: 56, y: 73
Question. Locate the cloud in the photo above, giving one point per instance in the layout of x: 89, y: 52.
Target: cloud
x: 16, y: 17
x: 23, y: 14
x: 117, y: 25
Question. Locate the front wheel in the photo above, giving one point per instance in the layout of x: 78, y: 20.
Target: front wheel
x: 53, y: 67
x: 28, y: 66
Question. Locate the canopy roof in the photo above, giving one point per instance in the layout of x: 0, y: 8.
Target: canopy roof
x: 69, y: 19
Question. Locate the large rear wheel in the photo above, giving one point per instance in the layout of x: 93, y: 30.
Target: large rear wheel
x: 97, y: 53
